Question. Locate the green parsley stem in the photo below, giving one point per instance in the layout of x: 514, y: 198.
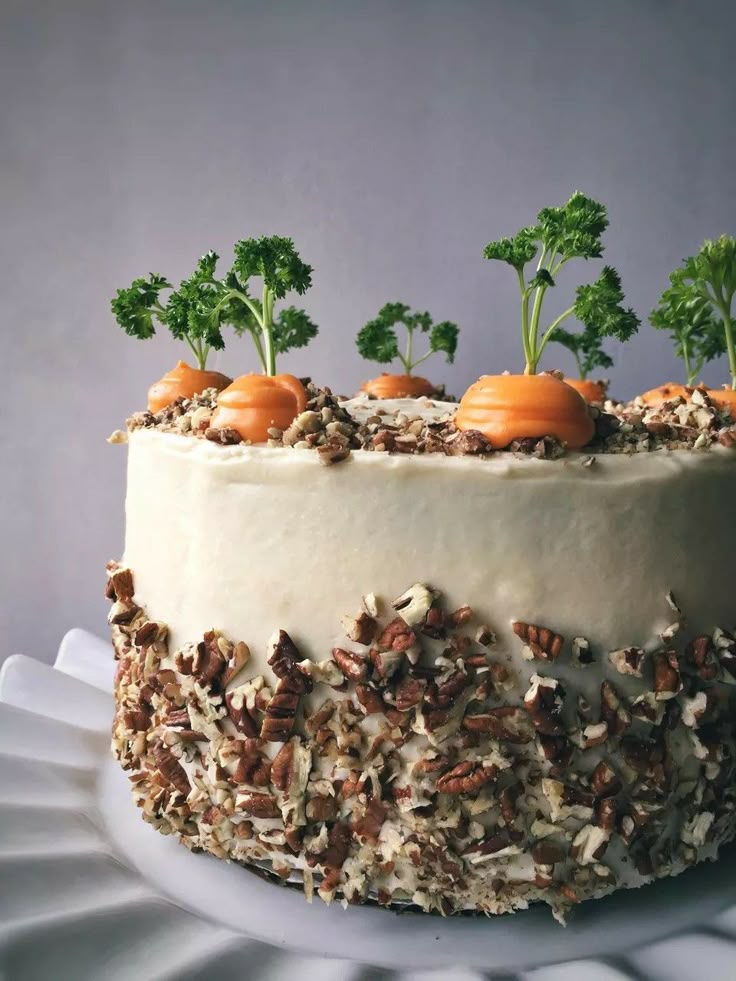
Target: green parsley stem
x: 267, y: 330
x: 253, y: 307
x: 419, y: 360
x: 550, y: 331
x: 525, y: 293
x: 407, y: 360
x: 730, y: 344
x: 581, y: 371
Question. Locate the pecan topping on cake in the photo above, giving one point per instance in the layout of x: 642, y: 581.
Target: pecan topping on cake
x: 541, y: 641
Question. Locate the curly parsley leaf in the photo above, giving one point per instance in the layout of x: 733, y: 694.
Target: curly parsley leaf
x: 275, y: 261
x: 599, y: 306
x: 516, y: 251
x: 292, y: 328
x: 573, y: 230
x: 443, y: 337
x: 587, y: 349
x: 136, y: 307
x: 697, y: 333
x: 378, y: 339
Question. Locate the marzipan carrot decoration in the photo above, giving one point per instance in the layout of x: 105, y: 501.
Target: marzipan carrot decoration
x: 203, y: 304
x: 253, y: 404
x: 696, y: 309
x: 378, y: 341
x: 594, y: 392
x: 183, y: 381
x: 509, y: 407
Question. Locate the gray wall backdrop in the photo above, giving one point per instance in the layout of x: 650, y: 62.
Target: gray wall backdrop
x: 392, y: 140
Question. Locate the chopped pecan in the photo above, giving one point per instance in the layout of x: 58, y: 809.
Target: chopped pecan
x: 543, y: 642
x: 582, y: 655
x: 605, y: 813
x: 224, y: 435
x: 429, y: 765
x: 253, y: 766
x: 369, y: 824
x: 209, y: 662
x: 352, y: 665
x: 507, y: 803
x: 413, y: 605
x: 284, y: 658
x: 120, y: 585
x: 490, y: 845
x: 211, y: 816
x: 122, y: 612
x: 339, y: 838
x: 370, y: 699
x: 547, y: 853
x: 149, y: 633
x: 701, y: 652
x: 466, y: 777
x: 508, y: 723
x: 543, y: 702
x: 360, y: 629
x: 667, y: 682
x: 238, y: 711
x: 443, y: 695
x: 137, y: 720
x: 612, y: 710
x: 385, y: 663
x: 397, y: 636
x: 236, y: 662
x: 170, y: 768
x: 468, y: 442
x: 434, y: 624
x: 485, y: 636
x: 319, y: 718
x: 557, y: 749
x: 322, y: 808
x: 590, y: 843
x: 335, y: 450
x: 461, y: 616
x: 283, y: 764
x: 410, y: 693
x: 280, y: 716
x: 257, y: 805
x: 642, y: 754
x: 628, y: 660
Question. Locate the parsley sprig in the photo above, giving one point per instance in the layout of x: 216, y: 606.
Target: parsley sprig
x: 572, y: 231
x: 378, y: 340
x: 203, y: 304
x: 587, y: 349
x: 696, y: 307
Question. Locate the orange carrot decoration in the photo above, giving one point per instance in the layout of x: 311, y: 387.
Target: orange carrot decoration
x: 203, y: 304
x: 253, y: 404
x: 725, y: 398
x: 398, y: 387
x: 595, y: 392
x: 377, y: 341
x: 664, y: 393
x: 183, y: 381
x: 508, y: 407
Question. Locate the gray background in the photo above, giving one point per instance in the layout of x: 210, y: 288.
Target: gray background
x: 392, y: 140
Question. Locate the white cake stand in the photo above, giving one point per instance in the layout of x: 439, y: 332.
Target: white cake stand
x: 89, y: 892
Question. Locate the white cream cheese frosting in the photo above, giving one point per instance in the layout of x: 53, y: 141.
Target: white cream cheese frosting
x: 250, y: 538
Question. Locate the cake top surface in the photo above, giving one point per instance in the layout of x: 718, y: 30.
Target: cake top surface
x: 335, y: 428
